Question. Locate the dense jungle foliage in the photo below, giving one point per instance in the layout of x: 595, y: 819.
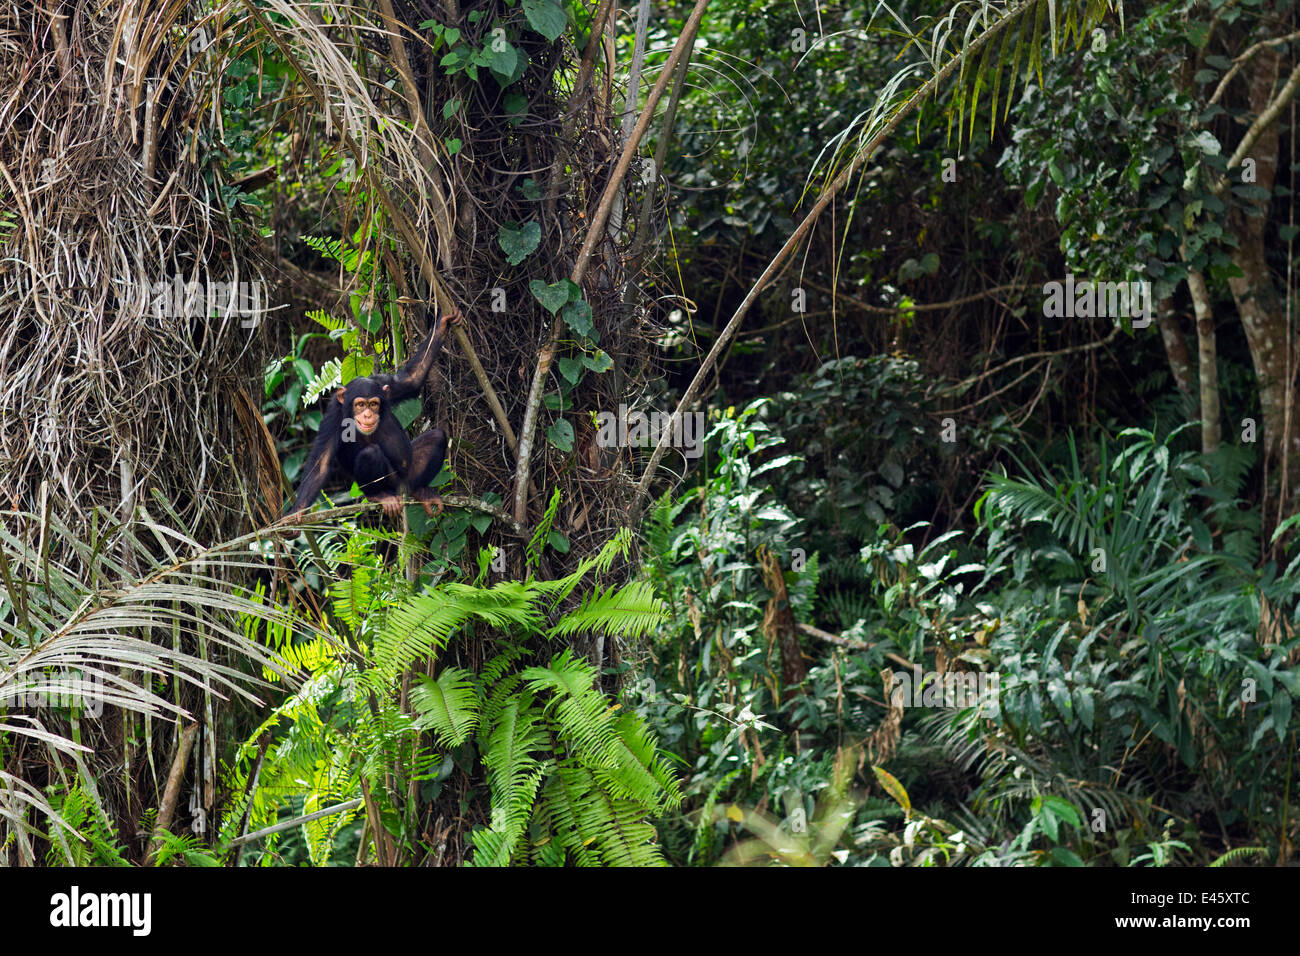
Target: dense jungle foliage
x: 939, y: 568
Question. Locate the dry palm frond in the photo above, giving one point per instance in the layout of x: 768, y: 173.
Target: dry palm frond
x: 107, y: 387
x: 115, y: 639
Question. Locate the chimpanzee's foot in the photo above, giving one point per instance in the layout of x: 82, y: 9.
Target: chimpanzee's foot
x: 427, y: 497
x: 392, y: 503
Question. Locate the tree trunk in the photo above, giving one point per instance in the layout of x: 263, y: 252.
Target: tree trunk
x: 1208, y: 362
x: 1258, y: 303
x: 1180, y: 359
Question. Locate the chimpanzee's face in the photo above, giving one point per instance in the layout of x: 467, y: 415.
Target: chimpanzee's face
x: 365, y: 412
x: 366, y: 409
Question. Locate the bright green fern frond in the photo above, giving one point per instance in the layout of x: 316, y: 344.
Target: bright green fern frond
x: 514, y: 775
x: 618, y: 749
x: 504, y: 605
x: 641, y: 755
x: 619, y: 830
x: 352, y: 596
x: 448, y: 704
x: 632, y: 610
x: 540, y: 536
x: 558, y: 813
x: 1240, y: 853
x: 416, y: 628
x: 582, y: 714
x: 600, y: 562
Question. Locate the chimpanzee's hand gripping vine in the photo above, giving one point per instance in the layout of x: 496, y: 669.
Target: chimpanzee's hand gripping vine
x: 361, y: 440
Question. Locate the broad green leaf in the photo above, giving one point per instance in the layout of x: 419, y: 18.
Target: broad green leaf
x: 517, y: 242
x: 561, y: 435
x: 546, y: 18
x: 553, y: 296
x: 577, y: 316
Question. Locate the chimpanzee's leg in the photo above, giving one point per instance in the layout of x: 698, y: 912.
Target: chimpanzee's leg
x: 428, y: 453
x: 372, y: 470
x: 379, y: 482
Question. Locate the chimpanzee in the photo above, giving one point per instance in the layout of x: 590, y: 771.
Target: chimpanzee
x: 361, y: 440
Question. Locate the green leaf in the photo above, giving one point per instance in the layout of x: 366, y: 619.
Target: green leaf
x: 1083, y: 706
x: 558, y: 541
x: 516, y: 107
x: 1281, y: 712
x: 577, y: 316
x: 1063, y: 809
x: 450, y: 107
x: 561, y: 435
x: 891, y: 786
x: 1047, y: 820
x: 518, y: 242
x: 571, y: 369
x: 600, y: 362
x: 1065, y: 857
x: 546, y: 18
x: 356, y: 366
x: 553, y: 296
x: 453, y: 146
x: 502, y: 60
x: 407, y: 411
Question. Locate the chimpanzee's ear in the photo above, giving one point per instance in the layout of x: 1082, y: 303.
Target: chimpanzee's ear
x: 385, y: 390
x: 339, y: 395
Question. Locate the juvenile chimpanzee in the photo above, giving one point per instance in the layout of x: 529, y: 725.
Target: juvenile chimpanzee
x: 361, y: 440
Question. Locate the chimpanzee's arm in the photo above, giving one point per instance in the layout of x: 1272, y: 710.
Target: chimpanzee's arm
x: 324, y: 453
x: 407, y: 382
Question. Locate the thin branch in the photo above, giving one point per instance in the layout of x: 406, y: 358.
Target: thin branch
x: 1028, y: 357
x: 1262, y: 122
x: 848, y: 642
x: 1240, y: 61
x: 297, y: 821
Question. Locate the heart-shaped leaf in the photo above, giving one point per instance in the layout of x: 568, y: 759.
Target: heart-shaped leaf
x: 600, y: 362
x: 553, y: 297
x: 571, y: 369
x: 517, y: 241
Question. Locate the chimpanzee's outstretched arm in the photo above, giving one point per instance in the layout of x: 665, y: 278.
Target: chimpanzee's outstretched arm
x: 407, y: 382
x: 324, y: 453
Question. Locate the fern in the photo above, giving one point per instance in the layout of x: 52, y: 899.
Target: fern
x: 1239, y: 853
x: 540, y: 536
x: 514, y: 774
x: 703, y: 845
x: 632, y: 610
x: 449, y: 705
